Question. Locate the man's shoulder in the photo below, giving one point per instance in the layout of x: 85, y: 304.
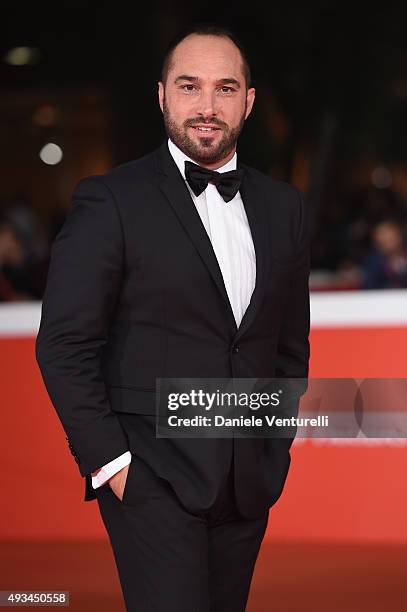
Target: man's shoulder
x: 270, y: 185
x: 134, y: 170
x: 124, y: 177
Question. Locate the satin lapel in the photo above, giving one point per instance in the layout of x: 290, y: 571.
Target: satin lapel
x: 175, y: 190
x: 255, y: 207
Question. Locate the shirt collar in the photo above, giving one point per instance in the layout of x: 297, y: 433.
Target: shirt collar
x: 179, y: 157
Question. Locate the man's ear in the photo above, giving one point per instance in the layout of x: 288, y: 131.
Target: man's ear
x: 161, y: 95
x: 251, y: 93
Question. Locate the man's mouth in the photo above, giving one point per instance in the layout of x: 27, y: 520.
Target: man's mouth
x: 206, y: 128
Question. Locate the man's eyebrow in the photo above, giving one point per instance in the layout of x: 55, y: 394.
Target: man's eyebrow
x: 230, y: 81
x: 187, y: 77
x: 195, y: 79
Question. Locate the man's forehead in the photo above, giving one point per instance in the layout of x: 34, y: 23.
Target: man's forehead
x: 207, y: 54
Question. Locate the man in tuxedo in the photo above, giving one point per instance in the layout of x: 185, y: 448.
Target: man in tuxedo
x: 184, y: 263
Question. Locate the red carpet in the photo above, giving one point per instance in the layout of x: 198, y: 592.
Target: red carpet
x: 289, y: 577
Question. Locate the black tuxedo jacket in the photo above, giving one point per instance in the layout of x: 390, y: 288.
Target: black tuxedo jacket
x: 135, y: 292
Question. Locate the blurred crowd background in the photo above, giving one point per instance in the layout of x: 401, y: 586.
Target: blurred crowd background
x: 79, y: 95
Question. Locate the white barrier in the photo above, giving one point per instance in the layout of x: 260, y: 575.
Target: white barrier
x: 330, y: 309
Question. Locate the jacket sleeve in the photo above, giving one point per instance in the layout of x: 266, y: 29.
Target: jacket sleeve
x: 293, y: 349
x: 83, y: 284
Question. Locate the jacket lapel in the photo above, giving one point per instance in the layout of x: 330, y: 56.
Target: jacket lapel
x: 175, y: 190
x: 255, y: 206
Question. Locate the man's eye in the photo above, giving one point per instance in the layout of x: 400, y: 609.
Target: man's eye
x: 226, y: 89
x: 188, y: 87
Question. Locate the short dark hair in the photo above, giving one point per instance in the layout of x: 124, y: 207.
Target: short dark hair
x: 205, y: 29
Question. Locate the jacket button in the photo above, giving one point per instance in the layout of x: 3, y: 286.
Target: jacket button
x: 235, y: 349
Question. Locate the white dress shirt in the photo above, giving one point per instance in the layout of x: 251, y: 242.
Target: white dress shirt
x: 228, y: 229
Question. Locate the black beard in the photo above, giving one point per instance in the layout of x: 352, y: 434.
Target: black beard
x: 206, y: 152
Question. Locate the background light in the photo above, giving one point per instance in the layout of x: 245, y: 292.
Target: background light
x: 46, y: 115
x: 22, y: 56
x: 381, y: 177
x: 51, y: 154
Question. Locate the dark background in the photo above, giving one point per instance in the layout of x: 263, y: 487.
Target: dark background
x: 330, y: 114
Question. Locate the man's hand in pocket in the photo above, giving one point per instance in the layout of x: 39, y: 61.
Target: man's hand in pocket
x: 117, y: 482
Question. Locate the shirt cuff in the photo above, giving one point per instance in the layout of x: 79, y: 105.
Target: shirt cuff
x: 111, y: 468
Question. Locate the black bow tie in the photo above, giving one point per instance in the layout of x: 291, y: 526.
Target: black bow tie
x: 227, y: 183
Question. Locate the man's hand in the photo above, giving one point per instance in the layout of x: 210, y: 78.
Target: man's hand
x: 117, y: 482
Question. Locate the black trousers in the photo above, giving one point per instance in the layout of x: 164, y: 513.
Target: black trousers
x: 170, y: 560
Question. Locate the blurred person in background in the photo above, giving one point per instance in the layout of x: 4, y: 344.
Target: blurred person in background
x: 366, y: 209
x: 24, y: 254
x: 13, y: 271
x: 386, y: 265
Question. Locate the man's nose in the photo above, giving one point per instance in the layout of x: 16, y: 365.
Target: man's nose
x: 207, y: 107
